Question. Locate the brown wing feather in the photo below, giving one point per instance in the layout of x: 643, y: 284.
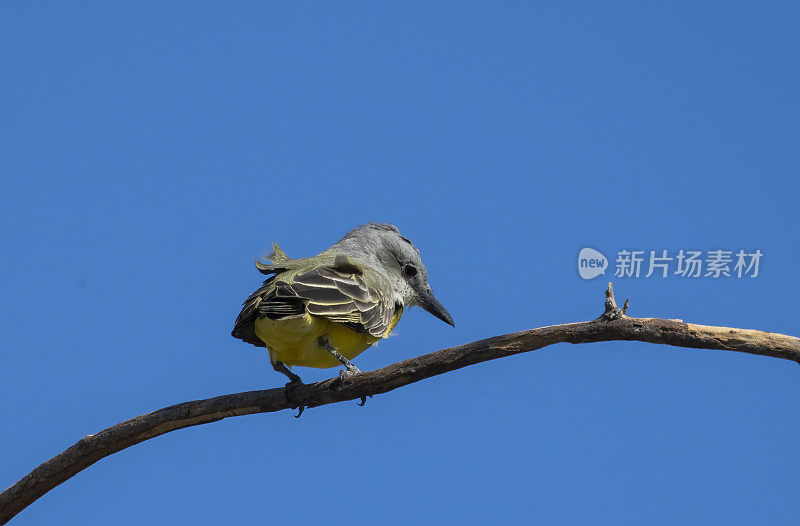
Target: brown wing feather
x: 337, y: 292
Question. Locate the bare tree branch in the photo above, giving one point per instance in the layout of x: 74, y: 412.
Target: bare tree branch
x: 613, y: 324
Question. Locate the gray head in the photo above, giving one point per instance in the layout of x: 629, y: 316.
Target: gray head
x: 381, y: 246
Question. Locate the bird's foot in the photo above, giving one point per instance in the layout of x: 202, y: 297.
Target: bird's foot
x: 291, y: 386
x: 349, y: 371
x: 293, y: 382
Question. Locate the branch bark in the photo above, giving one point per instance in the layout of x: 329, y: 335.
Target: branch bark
x: 613, y: 324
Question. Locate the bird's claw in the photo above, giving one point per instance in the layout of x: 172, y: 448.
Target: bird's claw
x: 364, y: 400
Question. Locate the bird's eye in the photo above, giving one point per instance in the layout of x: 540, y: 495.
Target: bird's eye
x: 409, y: 270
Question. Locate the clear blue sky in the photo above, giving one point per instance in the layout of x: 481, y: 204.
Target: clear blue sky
x: 149, y: 152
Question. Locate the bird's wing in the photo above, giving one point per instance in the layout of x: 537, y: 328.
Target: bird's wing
x: 343, y: 293
x: 338, y: 291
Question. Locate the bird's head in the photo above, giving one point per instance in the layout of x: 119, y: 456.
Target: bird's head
x: 382, y: 246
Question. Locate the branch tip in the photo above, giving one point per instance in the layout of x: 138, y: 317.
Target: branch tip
x: 612, y: 312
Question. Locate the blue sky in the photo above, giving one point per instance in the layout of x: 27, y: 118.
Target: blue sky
x: 149, y: 152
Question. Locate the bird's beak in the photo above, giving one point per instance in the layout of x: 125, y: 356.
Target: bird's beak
x: 428, y: 301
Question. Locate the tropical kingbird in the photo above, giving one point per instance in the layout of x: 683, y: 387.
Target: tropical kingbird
x: 326, y: 310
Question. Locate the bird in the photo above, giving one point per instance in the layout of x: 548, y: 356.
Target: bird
x: 325, y: 310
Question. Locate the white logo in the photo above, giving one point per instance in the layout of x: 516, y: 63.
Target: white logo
x: 591, y: 263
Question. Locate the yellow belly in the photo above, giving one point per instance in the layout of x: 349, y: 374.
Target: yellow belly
x: 295, y: 341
